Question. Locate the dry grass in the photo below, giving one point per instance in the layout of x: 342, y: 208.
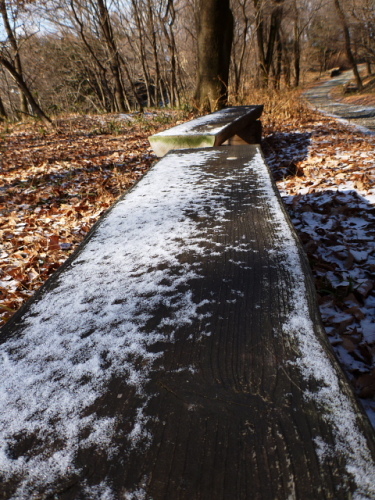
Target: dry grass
x: 282, y: 109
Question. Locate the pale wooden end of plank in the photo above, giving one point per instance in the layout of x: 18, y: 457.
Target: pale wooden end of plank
x: 211, y: 130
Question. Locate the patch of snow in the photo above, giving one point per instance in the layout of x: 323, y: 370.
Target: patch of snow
x: 368, y: 329
x: 359, y: 255
x: 125, y: 116
x: 349, y: 361
x: 90, y: 329
x: 101, y: 491
x: 348, y: 123
x: 139, y: 494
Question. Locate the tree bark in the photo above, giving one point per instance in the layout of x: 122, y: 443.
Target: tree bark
x: 158, y: 84
x: 238, y: 66
x: 278, y: 62
x: 25, y: 90
x: 3, y: 113
x: 142, y: 50
x: 102, y: 86
x: 276, y: 17
x: 348, y: 48
x: 17, y: 59
x: 113, y: 54
x: 167, y: 24
x: 296, y: 54
x: 215, y: 35
x: 266, y: 51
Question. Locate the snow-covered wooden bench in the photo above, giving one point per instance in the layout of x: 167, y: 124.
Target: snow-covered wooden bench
x: 235, y: 125
x: 179, y: 354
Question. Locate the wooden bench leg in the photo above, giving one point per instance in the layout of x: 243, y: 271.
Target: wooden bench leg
x: 250, y: 135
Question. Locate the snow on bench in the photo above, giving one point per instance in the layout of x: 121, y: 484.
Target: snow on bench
x: 236, y: 125
x: 179, y: 354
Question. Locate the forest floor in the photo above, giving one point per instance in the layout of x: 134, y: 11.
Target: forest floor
x: 55, y: 184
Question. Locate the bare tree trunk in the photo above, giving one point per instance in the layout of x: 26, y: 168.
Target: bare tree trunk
x: 266, y: 53
x: 286, y: 58
x: 24, y: 88
x: 3, y: 113
x: 278, y: 65
x: 102, y: 87
x: 273, y: 36
x: 134, y: 90
x: 259, y: 28
x: 115, y: 66
x: 286, y: 69
x: 17, y: 59
x: 215, y: 37
x: 151, y: 27
x: 142, y: 50
x: 168, y: 22
x: 239, y: 67
x: 296, y: 54
x: 175, y: 97
x: 348, y: 48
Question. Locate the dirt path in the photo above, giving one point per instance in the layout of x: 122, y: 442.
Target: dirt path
x: 320, y: 97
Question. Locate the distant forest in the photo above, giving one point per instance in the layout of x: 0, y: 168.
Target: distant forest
x: 104, y: 56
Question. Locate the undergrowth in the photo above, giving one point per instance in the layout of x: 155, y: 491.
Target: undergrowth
x: 282, y: 108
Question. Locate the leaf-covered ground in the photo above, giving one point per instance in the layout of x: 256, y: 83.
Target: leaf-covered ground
x: 55, y: 184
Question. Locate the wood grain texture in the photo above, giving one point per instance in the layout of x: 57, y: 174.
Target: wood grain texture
x: 226, y: 405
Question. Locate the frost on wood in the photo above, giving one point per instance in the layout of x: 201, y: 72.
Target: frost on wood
x: 93, y: 325
x: 316, y: 365
x: 183, y: 320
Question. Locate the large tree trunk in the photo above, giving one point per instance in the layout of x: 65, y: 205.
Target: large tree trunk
x: 259, y: 28
x: 348, y: 48
x: 215, y: 37
x: 278, y: 63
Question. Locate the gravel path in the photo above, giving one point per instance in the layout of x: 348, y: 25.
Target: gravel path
x: 320, y: 97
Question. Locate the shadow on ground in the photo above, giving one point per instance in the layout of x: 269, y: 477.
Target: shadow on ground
x: 283, y: 151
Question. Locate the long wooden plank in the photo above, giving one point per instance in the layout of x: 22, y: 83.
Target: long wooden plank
x: 179, y: 355
x: 207, y: 131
